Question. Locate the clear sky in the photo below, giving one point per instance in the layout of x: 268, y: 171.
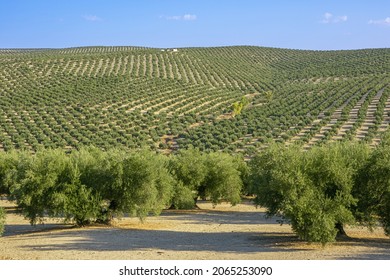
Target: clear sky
x: 296, y: 24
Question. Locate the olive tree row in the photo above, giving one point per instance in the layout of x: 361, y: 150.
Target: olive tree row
x: 91, y: 185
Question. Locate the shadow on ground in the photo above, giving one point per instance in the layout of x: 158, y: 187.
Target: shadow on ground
x: 266, y: 239
x: 103, y: 240
x: 221, y: 217
x: 381, y: 246
x: 21, y: 229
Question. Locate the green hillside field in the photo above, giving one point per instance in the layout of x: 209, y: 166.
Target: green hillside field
x: 168, y: 99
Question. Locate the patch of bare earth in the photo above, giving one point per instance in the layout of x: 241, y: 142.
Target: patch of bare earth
x: 239, y: 232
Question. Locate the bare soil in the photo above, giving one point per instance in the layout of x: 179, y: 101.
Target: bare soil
x: 239, y: 232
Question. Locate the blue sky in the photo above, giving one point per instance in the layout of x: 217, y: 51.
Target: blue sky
x: 300, y: 24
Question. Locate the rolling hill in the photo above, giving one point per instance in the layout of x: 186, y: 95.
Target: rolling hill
x: 169, y: 99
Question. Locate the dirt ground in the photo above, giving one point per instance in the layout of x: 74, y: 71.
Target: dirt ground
x: 240, y: 232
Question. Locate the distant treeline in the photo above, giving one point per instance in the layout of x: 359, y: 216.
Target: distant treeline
x: 316, y: 191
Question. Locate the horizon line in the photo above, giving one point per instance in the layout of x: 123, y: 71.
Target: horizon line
x: 186, y: 47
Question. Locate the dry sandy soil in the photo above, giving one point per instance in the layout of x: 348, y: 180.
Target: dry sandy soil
x: 239, y: 232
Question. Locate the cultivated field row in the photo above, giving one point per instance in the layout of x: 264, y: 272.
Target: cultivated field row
x: 167, y: 99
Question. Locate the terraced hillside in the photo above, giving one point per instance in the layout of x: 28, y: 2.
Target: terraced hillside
x: 173, y: 98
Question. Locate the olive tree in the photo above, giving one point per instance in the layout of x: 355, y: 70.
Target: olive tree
x: 50, y: 186
x: 222, y: 181
x: 36, y: 191
x: 189, y: 170
x: 89, y: 169
x: 139, y: 183
x: 90, y: 185
x: 216, y: 176
x: 333, y: 170
x: 281, y: 185
x: 13, y: 165
x: 311, y: 190
x: 81, y: 203
x: 372, y: 188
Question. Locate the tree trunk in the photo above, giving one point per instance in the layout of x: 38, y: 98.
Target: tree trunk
x: 340, y: 230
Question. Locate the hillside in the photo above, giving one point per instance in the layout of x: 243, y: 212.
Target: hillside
x: 172, y: 98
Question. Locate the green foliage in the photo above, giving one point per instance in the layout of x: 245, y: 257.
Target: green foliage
x: 51, y: 186
x: 2, y: 221
x: 238, y: 106
x: 184, y: 197
x: 189, y: 170
x: 333, y: 169
x: 372, y: 188
x: 36, y: 191
x: 13, y: 167
x: 81, y: 204
x: 91, y: 169
x: 243, y: 168
x: 316, y: 191
x: 268, y: 95
x: 90, y: 185
x: 129, y: 97
x: 312, y: 190
x: 8, y: 163
x: 222, y: 181
x: 277, y: 179
x: 215, y: 176
x: 142, y: 184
